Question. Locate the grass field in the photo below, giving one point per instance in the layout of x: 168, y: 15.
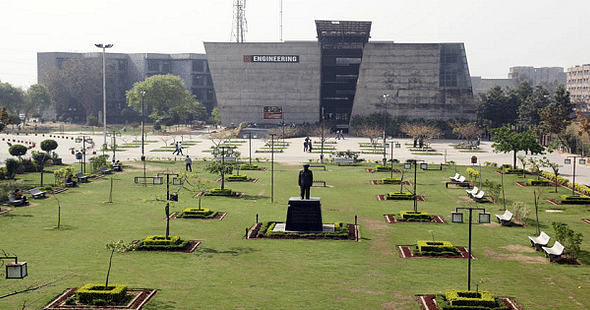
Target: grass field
x: 229, y: 272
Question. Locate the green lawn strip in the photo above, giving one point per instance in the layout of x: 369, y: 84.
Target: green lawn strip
x: 238, y: 273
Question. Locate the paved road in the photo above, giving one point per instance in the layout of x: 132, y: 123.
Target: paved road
x: 294, y: 153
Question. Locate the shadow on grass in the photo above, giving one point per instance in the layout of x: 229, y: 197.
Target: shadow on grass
x: 584, y: 257
x: 17, y: 215
x: 231, y: 251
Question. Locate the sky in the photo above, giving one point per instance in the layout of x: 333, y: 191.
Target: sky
x: 497, y: 34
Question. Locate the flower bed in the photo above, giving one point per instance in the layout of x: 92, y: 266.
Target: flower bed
x: 399, y: 196
x: 575, y: 199
x: 197, y: 213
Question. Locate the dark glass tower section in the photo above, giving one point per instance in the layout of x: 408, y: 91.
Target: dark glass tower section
x: 342, y: 44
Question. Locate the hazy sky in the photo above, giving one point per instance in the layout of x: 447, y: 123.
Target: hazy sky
x: 497, y: 34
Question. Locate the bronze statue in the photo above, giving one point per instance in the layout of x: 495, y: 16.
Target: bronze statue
x: 305, y: 181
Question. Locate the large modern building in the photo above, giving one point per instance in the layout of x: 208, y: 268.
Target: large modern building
x: 578, y: 85
x: 193, y: 69
x: 340, y: 75
x: 538, y: 76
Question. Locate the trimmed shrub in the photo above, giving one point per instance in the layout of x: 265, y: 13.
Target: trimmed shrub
x: 340, y: 232
x: 160, y: 243
x: 197, y: 213
x: 533, y: 182
x: 391, y: 180
x: 470, y: 298
x: 415, y: 216
x: 399, y: 195
x: 575, y: 199
x: 89, y: 293
x: 237, y: 178
x: 220, y: 192
x: 434, y: 248
x: 249, y: 167
x: 513, y: 171
x: 381, y: 168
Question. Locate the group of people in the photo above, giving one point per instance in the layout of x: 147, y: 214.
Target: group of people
x: 178, y: 148
x: 307, y: 145
x: 339, y: 134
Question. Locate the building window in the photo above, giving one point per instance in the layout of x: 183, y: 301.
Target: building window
x: 199, y: 65
x: 153, y: 65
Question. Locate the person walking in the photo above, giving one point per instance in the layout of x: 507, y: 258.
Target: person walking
x: 175, y: 152
x: 305, y: 146
x: 180, y: 148
x: 188, y: 162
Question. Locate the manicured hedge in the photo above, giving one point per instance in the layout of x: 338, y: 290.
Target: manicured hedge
x: 237, y: 178
x: 415, y: 216
x: 90, y: 292
x: 197, y: 213
x: 435, y: 248
x: 340, y: 232
x: 442, y: 303
x: 160, y: 243
x: 382, y: 168
x: 513, y: 171
x: 399, y: 196
x: 249, y: 167
x: 575, y: 199
x: 220, y: 192
x: 470, y: 298
x: 391, y: 180
x: 534, y: 182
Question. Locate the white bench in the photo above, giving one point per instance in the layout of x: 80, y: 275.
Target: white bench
x: 504, y: 218
x: 554, y: 253
x: 540, y: 241
x: 456, y: 177
x: 340, y: 161
x: 479, y: 196
x: 472, y: 192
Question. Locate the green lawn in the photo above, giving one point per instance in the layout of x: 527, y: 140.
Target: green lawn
x: 229, y: 272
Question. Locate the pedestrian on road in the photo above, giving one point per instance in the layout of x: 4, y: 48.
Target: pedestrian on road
x: 180, y: 148
x: 305, y: 146
x: 188, y: 162
x: 175, y: 152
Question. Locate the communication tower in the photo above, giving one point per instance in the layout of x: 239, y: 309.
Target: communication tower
x: 239, y: 26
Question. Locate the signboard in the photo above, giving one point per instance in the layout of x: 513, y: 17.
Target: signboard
x: 272, y: 58
x: 273, y: 112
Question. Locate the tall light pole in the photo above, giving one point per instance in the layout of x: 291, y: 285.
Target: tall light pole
x: 104, y: 89
x: 408, y: 165
x: 272, y: 166
x: 385, y: 96
x: 567, y: 161
x: 142, y: 136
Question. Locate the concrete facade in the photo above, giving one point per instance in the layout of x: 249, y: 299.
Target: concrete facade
x: 538, y: 76
x: 578, y: 85
x: 244, y: 88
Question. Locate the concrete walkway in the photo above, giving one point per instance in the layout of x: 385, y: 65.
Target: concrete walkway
x: 293, y: 153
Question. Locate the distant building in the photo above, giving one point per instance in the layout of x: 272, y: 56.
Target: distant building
x: 538, y: 76
x: 341, y: 75
x: 481, y: 85
x: 192, y: 68
x: 578, y: 85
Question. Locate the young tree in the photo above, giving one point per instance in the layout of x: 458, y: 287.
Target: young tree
x: 467, y: 131
x: 12, y: 98
x: 48, y: 145
x: 505, y: 141
x: 37, y: 100
x: 118, y: 246
x: 17, y: 150
x: 421, y: 132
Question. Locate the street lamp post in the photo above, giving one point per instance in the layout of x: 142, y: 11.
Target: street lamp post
x: 104, y: 89
x: 84, y: 139
x: 167, y: 210
x: 14, y: 270
x: 397, y: 146
x: 567, y: 161
x: 114, y: 134
x: 457, y: 217
x: 385, y: 96
x: 408, y: 165
x: 142, y: 135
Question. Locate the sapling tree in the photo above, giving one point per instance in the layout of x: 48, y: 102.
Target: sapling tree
x: 570, y: 239
x: 523, y: 162
x: 537, y: 164
x: 555, y: 168
x: 118, y: 246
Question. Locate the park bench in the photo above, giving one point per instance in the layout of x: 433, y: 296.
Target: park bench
x: 340, y: 161
x: 105, y: 170
x: 37, y: 193
x: 320, y: 181
x: 424, y: 166
x: 554, y: 253
x: 69, y: 184
x: 81, y: 177
x: 318, y: 166
x: 479, y: 197
x: 505, y: 218
x: 14, y: 201
x: 473, y: 191
x: 117, y: 167
x: 460, y: 182
x: 456, y: 177
x: 540, y: 241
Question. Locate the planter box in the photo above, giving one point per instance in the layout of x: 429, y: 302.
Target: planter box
x: 90, y: 292
x: 398, y: 196
x: 415, y: 216
x: 534, y: 182
x: 391, y: 180
x: 575, y: 199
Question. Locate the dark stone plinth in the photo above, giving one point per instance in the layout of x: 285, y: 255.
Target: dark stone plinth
x: 304, y: 214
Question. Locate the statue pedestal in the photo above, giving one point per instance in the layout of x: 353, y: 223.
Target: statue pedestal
x: 304, y: 214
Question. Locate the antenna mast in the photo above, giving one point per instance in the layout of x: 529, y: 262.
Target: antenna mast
x: 240, y: 26
x: 281, y: 21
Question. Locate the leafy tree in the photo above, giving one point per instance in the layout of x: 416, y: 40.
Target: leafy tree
x: 220, y: 168
x: 4, y: 118
x: 491, y: 107
x: 11, y: 97
x: 505, y: 141
x: 554, y: 167
x: 215, y: 118
x: 17, y: 150
x: 467, y: 131
x: 98, y: 161
x: 570, y: 239
x: 118, y: 246
x: 529, y: 111
x: 11, y: 167
x: 48, y: 145
x: 37, y: 100
x: 420, y: 131
x: 165, y: 97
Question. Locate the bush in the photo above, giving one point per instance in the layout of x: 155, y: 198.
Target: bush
x: 28, y: 165
x: 570, y: 239
x: 340, y: 232
x: 237, y: 178
x: 391, y: 180
x: 160, y: 243
x: 381, y: 168
x: 533, y: 182
x: 415, y: 216
x: 513, y: 171
x: 7, y: 187
x: 90, y: 293
x: 436, y: 248
x: 249, y: 167
x: 575, y: 199
x: 220, y: 192
x: 92, y: 120
x: 399, y: 195
x: 17, y: 150
x: 98, y: 161
x: 197, y: 213
x: 470, y: 298
x: 11, y: 167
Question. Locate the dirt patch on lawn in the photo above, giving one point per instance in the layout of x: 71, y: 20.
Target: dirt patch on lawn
x: 516, y: 255
x: 399, y: 302
x: 379, y: 244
